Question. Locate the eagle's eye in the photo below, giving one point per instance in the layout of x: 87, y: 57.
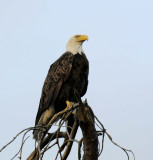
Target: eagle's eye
x: 77, y: 36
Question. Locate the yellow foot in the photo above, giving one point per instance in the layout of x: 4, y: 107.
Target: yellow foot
x: 69, y: 104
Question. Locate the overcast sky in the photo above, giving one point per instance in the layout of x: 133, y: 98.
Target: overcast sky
x: 34, y: 33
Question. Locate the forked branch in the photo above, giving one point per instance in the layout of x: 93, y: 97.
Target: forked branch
x: 85, y: 118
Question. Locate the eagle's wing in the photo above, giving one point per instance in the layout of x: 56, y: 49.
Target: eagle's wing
x: 58, y: 73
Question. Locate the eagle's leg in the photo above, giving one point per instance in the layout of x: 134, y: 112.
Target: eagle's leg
x: 69, y: 104
x: 70, y: 120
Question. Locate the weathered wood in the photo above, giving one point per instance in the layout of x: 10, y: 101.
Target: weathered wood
x: 90, y: 137
x: 49, y: 138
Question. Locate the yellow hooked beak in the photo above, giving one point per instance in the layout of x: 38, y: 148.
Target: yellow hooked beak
x: 82, y: 38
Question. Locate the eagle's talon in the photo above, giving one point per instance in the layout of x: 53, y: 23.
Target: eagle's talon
x: 69, y: 104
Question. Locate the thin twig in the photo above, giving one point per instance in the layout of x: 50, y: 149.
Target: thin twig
x: 49, y: 147
x: 15, y: 137
x: 102, y: 146
x: 69, y: 140
x: 20, y: 148
x: 99, y: 122
x: 23, y: 143
x: 57, y: 140
x: 72, y: 136
x: 110, y: 138
x: 30, y: 128
x: 125, y: 150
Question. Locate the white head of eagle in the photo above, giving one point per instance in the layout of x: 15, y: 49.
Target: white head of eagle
x: 74, y: 45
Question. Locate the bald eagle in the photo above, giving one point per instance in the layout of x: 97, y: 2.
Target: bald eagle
x: 67, y: 73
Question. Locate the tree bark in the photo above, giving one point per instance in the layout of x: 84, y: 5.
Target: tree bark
x: 90, y: 137
x: 85, y: 116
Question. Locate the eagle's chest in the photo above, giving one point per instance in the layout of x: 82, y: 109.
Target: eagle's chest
x: 77, y: 79
x: 79, y: 67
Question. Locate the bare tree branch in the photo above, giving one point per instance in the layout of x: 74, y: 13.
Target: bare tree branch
x: 90, y: 137
x: 72, y: 136
x: 85, y: 118
x: 15, y: 138
x: 49, y: 138
x: 20, y: 148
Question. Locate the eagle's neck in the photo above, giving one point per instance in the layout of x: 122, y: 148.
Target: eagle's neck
x: 75, y: 48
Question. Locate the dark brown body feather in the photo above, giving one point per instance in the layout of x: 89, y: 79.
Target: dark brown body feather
x: 68, y: 72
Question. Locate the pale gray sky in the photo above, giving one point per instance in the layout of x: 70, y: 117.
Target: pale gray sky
x: 34, y: 33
